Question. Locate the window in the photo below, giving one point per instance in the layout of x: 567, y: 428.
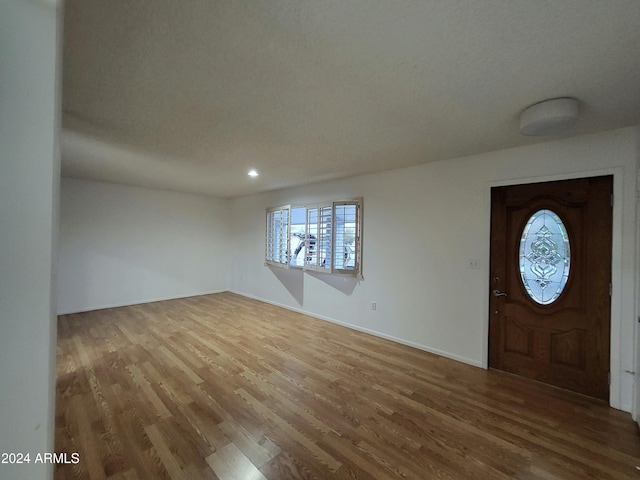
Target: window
x: 298, y: 238
x: 323, y: 238
x: 545, y: 257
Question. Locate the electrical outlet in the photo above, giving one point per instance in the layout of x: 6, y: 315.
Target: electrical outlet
x: 374, y: 306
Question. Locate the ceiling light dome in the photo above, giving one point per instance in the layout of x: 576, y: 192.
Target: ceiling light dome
x: 549, y: 117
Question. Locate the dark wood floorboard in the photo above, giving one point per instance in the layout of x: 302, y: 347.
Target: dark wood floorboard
x: 225, y: 387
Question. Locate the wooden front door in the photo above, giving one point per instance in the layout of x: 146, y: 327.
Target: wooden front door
x: 550, y: 282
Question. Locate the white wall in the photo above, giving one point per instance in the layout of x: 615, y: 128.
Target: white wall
x: 29, y: 172
x: 422, y: 225
x: 122, y: 245
x: 636, y: 400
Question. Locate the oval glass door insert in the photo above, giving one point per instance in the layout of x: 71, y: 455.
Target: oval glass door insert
x: 545, y: 257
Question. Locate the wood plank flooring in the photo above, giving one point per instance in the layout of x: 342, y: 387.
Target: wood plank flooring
x: 225, y: 387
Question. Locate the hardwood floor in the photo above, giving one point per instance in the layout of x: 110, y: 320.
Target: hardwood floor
x: 221, y: 386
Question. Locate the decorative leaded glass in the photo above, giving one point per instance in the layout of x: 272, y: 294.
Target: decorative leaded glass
x: 544, y: 257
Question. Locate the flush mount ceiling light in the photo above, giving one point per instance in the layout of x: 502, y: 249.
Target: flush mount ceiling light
x: 549, y: 117
x: 252, y: 173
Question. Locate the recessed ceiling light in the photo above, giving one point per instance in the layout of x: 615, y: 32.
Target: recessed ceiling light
x: 252, y: 173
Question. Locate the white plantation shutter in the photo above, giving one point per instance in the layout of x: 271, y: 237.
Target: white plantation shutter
x: 277, y: 243
x: 346, y: 237
x: 324, y: 244
x: 311, y: 245
x: 318, y: 255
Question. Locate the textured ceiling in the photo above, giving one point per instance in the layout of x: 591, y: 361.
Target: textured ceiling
x: 190, y: 95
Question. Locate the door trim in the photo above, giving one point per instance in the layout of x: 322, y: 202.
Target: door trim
x: 615, y: 348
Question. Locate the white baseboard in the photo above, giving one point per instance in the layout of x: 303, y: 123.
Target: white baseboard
x: 402, y: 341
